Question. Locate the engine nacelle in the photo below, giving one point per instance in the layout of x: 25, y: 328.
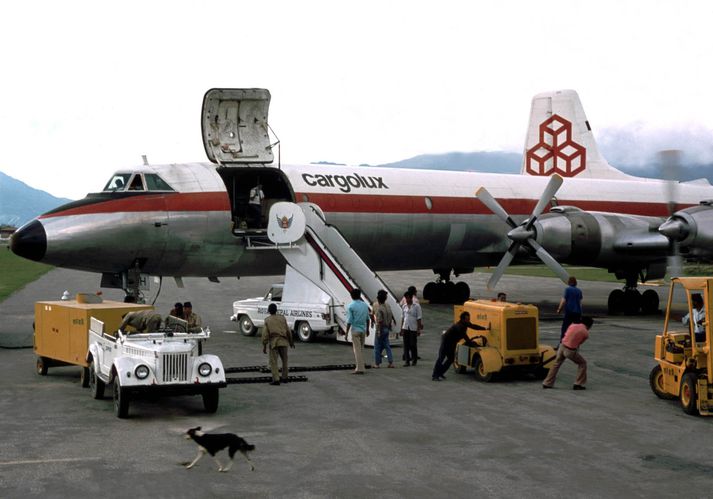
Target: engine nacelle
x: 607, y: 240
x: 692, y: 228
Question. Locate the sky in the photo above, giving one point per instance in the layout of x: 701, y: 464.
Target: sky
x: 86, y: 88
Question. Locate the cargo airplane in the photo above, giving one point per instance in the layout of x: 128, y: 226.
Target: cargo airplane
x: 194, y: 219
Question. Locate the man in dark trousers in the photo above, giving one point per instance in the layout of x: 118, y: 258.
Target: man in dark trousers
x: 449, y: 340
x: 277, y: 335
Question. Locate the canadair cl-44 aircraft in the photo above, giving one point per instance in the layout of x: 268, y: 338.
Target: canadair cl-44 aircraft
x: 195, y: 220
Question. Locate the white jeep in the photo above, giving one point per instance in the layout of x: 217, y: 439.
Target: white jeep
x: 157, y: 363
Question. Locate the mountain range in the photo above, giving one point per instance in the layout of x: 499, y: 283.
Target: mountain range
x: 20, y: 203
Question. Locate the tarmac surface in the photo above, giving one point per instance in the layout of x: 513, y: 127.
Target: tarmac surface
x: 389, y: 433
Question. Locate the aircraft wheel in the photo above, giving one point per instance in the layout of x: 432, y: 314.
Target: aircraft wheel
x: 121, y: 400
x: 480, y: 373
x: 304, y: 332
x: 649, y: 302
x: 96, y: 386
x: 462, y: 292
x: 688, y: 394
x: 429, y: 291
x: 656, y: 383
x: 449, y: 293
x: 41, y: 366
x: 632, y: 303
x: 615, y: 304
x: 247, y: 328
x: 210, y: 400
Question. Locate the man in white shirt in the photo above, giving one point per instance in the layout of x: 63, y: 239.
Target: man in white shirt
x: 255, y: 205
x: 699, y: 317
x: 411, y: 329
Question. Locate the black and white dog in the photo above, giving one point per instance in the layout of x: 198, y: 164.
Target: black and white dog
x: 214, y: 442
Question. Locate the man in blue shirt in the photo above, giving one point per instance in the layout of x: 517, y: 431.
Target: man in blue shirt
x: 572, y: 303
x: 358, y: 324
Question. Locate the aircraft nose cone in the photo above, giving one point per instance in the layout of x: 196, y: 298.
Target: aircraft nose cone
x: 30, y: 241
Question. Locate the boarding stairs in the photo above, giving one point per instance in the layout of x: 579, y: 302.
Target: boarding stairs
x: 321, y: 254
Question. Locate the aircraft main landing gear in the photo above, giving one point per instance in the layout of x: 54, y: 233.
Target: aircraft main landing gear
x: 630, y: 301
x: 443, y: 290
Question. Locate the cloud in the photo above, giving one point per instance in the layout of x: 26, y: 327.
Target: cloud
x: 638, y: 144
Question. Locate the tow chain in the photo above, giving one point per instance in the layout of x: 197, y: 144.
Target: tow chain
x: 267, y: 379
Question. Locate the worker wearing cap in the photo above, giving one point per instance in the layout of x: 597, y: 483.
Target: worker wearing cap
x: 144, y: 321
x: 194, y: 320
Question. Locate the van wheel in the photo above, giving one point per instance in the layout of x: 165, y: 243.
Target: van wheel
x: 96, y: 386
x: 656, y: 383
x: 121, y: 400
x: 41, y: 366
x: 84, y: 377
x: 688, y: 394
x: 210, y: 400
x: 304, y: 332
x: 247, y: 328
x: 480, y: 373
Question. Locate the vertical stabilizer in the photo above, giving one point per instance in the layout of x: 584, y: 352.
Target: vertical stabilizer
x: 559, y: 140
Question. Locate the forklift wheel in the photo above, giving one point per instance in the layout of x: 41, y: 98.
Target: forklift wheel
x: 656, y: 383
x: 688, y: 394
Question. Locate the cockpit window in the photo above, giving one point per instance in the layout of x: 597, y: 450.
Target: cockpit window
x: 139, y: 182
x: 136, y: 183
x: 117, y: 182
x: 156, y: 183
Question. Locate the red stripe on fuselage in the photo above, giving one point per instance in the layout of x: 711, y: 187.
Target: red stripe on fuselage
x: 189, y: 201
x: 362, y: 203
x: 353, y: 203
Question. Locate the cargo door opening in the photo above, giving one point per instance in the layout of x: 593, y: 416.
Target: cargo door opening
x: 248, y: 216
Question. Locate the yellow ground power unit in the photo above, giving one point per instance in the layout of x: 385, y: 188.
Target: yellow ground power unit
x: 62, y: 329
x: 510, y: 342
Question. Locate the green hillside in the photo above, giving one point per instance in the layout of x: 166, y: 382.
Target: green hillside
x: 16, y: 272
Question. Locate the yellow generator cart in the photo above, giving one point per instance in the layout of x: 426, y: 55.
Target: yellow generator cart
x: 682, y: 352
x: 510, y: 342
x: 62, y: 329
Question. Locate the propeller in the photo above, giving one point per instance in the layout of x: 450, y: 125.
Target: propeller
x: 523, y: 233
x: 673, y: 228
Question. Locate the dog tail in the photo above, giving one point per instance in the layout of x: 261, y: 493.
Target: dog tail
x: 249, y: 447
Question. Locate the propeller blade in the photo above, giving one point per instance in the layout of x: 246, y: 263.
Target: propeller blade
x: 552, y: 187
x: 670, y: 164
x: 673, y: 228
x: 548, y: 260
x: 503, y: 265
x: 488, y: 200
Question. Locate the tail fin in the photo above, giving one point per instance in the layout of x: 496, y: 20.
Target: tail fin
x: 560, y: 140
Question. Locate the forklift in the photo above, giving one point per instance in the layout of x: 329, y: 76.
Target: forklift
x: 683, y: 356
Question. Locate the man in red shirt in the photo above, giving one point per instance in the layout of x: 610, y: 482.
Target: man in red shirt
x: 575, y: 335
